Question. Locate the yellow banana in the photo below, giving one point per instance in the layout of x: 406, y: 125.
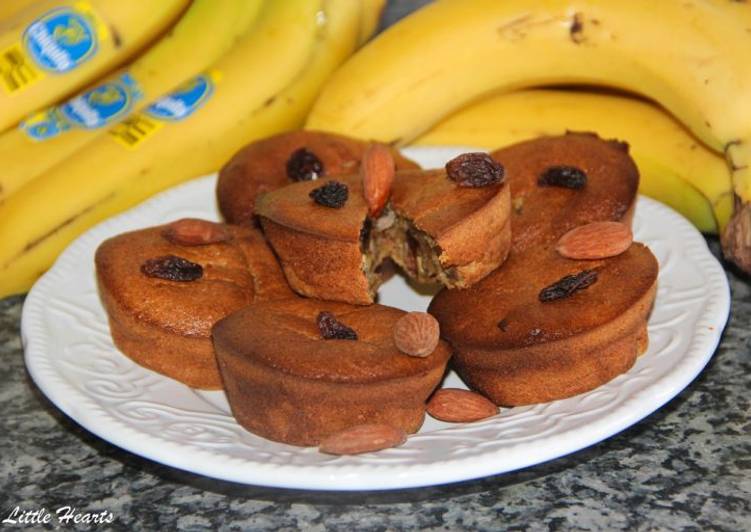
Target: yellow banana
x: 203, y: 34
x: 688, y: 55
x: 371, y: 18
x: 11, y: 8
x: 291, y: 45
x: 675, y: 167
x: 56, y: 47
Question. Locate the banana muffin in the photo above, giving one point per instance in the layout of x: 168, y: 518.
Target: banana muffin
x: 297, y: 371
x: 542, y: 326
x: 286, y: 158
x: 437, y: 230
x: 164, y: 288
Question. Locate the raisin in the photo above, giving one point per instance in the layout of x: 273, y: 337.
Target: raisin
x: 563, y: 176
x: 503, y: 325
x: 567, y: 285
x: 576, y: 30
x: 303, y: 165
x: 475, y: 170
x: 333, y: 194
x: 331, y: 329
x: 172, y: 268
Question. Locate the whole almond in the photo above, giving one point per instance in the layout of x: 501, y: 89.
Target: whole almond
x: 598, y: 240
x: 460, y: 406
x: 195, y: 232
x: 416, y: 334
x: 377, y: 171
x: 363, y: 439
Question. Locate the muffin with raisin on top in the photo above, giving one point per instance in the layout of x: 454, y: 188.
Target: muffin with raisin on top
x: 299, y: 370
x: 445, y: 226
x: 277, y: 161
x: 164, y: 288
x: 545, y: 326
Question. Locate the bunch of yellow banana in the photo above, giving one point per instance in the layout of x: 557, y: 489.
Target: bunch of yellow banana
x: 264, y: 85
x: 205, y: 32
x: 687, y: 55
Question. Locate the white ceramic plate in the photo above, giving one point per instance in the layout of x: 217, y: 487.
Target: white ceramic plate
x: 71, y: 357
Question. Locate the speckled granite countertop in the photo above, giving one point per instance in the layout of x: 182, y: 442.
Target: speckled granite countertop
x: 687, y: 466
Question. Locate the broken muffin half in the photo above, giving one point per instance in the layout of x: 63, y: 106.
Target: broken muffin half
x: 435, y: 230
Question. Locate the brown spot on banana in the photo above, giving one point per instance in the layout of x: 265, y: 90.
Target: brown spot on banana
x: 117, y: 41
x: 576, y: 30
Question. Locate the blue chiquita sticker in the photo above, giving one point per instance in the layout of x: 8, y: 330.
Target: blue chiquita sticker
x: 103, y: 104
x: 60, y: 40
x: 182, y: 102
x: 45, y: 124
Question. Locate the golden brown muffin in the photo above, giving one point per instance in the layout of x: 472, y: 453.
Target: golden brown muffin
x: 163, y: 297
x: 435, y: 230
x: 542, y: 214
x: 320, y: 248
x: 442, y: 232
x: 517, y: 350
x: 509, y: 344
x: 285, y: 382
x: 277, y: 161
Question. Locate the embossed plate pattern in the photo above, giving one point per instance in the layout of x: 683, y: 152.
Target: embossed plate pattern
x: 71, y: 357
